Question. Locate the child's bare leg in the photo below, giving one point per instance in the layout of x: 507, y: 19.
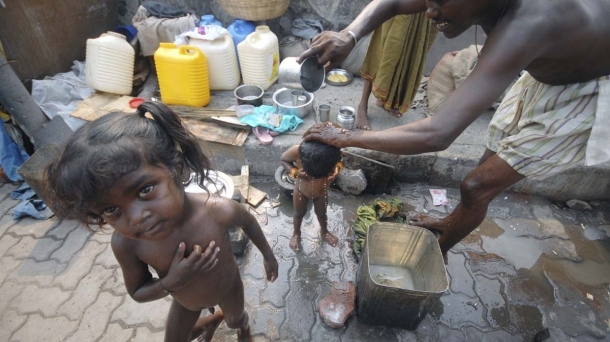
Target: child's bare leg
x: 180, y: 323
x: 299, y: 203
x: 235, y: 315
x: 206, y: 326
x: 319, y: 206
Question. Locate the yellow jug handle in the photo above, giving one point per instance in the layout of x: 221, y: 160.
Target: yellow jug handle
x: 184, y: 50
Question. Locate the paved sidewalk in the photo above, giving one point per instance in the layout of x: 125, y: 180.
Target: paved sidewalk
x: 529, y: 266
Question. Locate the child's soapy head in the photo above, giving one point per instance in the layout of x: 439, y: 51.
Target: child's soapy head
x: 101, y: 152
x: 318, y: 159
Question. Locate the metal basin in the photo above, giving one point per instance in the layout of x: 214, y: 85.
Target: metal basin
x: 282, y: 101
x: 220, y: 184
x: 401, y: 275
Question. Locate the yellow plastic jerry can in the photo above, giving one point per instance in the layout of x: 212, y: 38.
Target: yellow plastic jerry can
x: 183, y: 75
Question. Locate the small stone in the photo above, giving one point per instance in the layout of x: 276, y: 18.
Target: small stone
x: 352, y: 181
x: 578, y: 205
x: 340, y: 304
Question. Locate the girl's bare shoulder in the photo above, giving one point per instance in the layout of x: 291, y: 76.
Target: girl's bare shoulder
x: 220, y: 209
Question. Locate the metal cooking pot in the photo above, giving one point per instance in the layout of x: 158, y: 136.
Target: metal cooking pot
x: 308, y: 75
x: 282, y: 101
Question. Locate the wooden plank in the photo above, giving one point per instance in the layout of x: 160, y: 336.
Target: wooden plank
x: 255, y: 196
x: 228, y: 121
x: 209, y: 131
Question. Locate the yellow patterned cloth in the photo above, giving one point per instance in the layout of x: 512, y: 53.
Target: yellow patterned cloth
x: 396, y: 58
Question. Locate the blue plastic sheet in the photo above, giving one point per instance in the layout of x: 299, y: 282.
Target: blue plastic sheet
x: 262, y: 117
x: 11, y: 155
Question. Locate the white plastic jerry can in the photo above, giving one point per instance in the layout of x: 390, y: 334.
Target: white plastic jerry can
x: 109, y: 64
x: 259, y: 57
x: 222, y: 61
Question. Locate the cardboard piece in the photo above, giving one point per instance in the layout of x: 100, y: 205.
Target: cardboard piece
x: 255, y: 196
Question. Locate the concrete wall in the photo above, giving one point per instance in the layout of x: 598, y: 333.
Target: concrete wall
x: 43, y: 37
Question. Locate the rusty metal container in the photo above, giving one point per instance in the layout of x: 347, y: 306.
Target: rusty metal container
x: 401, y: 275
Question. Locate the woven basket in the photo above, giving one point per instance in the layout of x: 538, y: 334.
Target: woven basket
x: 254, y: 10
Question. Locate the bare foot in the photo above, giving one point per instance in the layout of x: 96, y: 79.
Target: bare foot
x: 209, y: 325
x: 244, y: 335
x: 428, y: 222
x: 395, y: 113
x: 362, y: 120
x: 432, y: 224
x: 330, y: 238
x: 295, y: 242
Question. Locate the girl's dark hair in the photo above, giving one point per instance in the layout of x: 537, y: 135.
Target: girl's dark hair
x: 102, y: 151
x: 318, y: 159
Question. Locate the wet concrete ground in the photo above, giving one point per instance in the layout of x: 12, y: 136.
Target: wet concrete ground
x: 531, y: 265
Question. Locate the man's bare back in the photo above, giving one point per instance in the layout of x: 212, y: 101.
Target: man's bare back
x: 568, y: 38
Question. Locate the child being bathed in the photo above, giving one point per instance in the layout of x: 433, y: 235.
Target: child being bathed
x: 125, y: 170
x: 314, y: 165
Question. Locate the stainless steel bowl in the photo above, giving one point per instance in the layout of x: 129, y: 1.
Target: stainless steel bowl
x: 249, y: 94
x: 282, y: 101
x: 341, y: 72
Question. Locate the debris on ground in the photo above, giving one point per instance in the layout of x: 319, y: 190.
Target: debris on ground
x: 339, y: 305
x: 439, y: 196
x: 380, y: 210
x: 578, y: 205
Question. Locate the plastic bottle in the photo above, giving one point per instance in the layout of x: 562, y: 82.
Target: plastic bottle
x: 222, y: 61
x: 259, y: 57
x: 209, y: 19
x: 240, y: 29
x: 183, y: 75
x: 109, y: 64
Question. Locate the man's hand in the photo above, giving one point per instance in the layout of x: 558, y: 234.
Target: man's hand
x: 330, y: 47
x: 271, y: 268
x: 329, y: 133
x: 184, y: 270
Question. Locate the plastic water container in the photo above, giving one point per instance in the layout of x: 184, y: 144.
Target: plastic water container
x: 109, y: 64
x: 209, y: 19
x: 259, y: 57
x: 240, y: 29
x: 183, y: 75
x: 222, y: 61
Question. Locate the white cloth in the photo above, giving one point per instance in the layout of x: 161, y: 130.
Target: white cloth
x: 598, y: 146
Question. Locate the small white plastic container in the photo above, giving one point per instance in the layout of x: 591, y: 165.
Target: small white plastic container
x: 259, y: 57
x: 109, y: 64
x: 222, y: 61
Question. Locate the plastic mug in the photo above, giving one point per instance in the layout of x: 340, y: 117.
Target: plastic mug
x: 324, y: 112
